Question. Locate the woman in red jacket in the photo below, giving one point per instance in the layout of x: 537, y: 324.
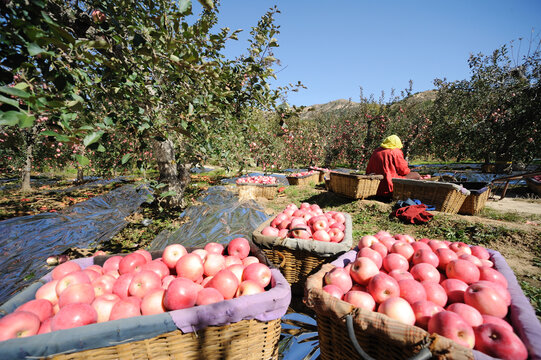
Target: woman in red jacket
x: 388, y: 160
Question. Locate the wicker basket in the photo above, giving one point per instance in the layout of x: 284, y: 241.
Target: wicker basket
x: 354, y: 186
x: 303, y: 180
x: 534, y: 185
x: 322, y: 173
x: 252, y: 191
x: 475, y: 202
x: 299, y: 258
x: 445, y: 197
x: 246, y: 339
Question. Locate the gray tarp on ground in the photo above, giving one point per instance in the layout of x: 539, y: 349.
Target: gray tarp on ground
x: 26, y: 242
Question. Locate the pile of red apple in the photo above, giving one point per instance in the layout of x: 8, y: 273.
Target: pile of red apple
x: 260, y: 179
x: 303, y: 173
x: 319, y: 168
x: 135, y: 285
x: 307, y: 222
x: 448, y: 288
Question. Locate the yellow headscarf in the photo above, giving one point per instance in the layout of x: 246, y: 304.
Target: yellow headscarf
x: 392, y: 142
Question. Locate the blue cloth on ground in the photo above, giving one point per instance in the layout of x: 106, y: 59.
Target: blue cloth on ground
x: 409, y: 202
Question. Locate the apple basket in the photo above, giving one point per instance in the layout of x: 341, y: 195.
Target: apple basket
x: 307, y: 178
x: 247, y: 327
x: 323, y: 172
x: 252, y: 191
x: 348, y: 332
x: 298, y: 258
x: 354, y: 186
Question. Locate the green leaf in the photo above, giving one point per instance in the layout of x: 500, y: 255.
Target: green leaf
x: 207, y: 4
x: 9, y: 118
x: 82, y: 160
x: 59, y: 137
x: 126, y: 158
x: 9, y: 101
x: 34, y: 49
x: 92, y: 138
x: 21, y: 86
x: 14, y: 91
x: 174, y: 58
x: 185, y: 6
x: 168, y: 193
x: 26, y: 121
x: 101, y: 148
x: 160, y: 185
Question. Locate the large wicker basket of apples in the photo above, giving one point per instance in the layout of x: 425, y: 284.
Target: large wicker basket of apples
x: 394, y: 297
x: 210, y: 303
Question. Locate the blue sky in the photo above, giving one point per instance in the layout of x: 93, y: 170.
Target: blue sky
x: 334, y: 47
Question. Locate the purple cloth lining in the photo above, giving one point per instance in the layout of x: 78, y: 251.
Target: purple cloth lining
x: 521, y: 314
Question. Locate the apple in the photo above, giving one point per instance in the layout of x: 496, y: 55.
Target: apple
x: 411, y: 290
x: 452, y: 326
x: 436, y: 244
x: 76, y: 277
x: 424, y: 310
x: 249, y: 260
x: 425, y: 256
x: 214, y: 248
x: 232, y: 260
x: 425, y: 272
x: 172, y: 253
x: 181, y: 294
x: 237, y: 269
x: 226, y: 282
x: 382, y: 233
x: 455, y: 289
x: 360, y: 299
x: 278, y: 219
x: 98, y: 17
x: 48, y: 291
x: 42, y: 308
x: 122, y: 285
x: 435, y: 293
x: 471, y: 258
x: 19, y: 324
x: 487, y: 263
x: 402, y: 248
x: 337, y: 235
x: 144, y: 281
x: 486, y: 299
x: 382, y: 287
x: 146, y: 254
x: 340, y: 277
x: 111, y: 264
x: 45, y: 326
x: 395, y: 261
x: 103, y: 285
x: 201, y: 252
x: 321, y: 235
x: 388, y: 242
x: 96, y: 268
x: 208, y: 296
x: 74, y: 315
x: 190, y: 266
x: 152, y: 302
x: 362, y: 270
x: 399, y: 274
x: 463, y: 270
x: 126, y: 308
x: 380, y: 248
x: 239, y: 246
x: 467, y: 312
x: 92, y: 274
x: 504, y: 293
x: 420, y: 245
x: 334, y: 290
x: 158, y: 267
x: 270, y: 231
x: 445, y: 255
x: 103, y: 305
x: 398, y: 309
x: 372, y: 255
x: 460, y: 246
x: 498, y: 341
x: 131, y: 262
x: 64, y: 269
x: 480, y: 252
x: 491, y: 274
x: 489, y: 319
x: 214, y: 263
x: 338, y: 226
x: 249, y: 287
x: 319, y: 222
x: 367, y: 241
x: 258, y: 272
x: 77, y: 293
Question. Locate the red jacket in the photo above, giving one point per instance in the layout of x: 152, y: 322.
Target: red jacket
x: 391, y: 164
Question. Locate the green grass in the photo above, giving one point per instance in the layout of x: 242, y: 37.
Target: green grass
x: 514, y: 217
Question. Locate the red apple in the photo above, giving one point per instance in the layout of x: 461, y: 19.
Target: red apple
x: 103, y: 305
x: 471, y: 258
x: 420, y: 245
x: 146, y: 254
x: 167, y: 280
x: 336, y: 235
x: 42, y: 308
x: 486, y: 299
x: 398, y: 309
x: 152, y: 302
x: 411, y: 290
x: 399, y: 274
x: 425, y: 272
x: 131, y: 262
x: 372, y: 255
x: 143, y: 282
x: 227, y: 283
x: 463, y: 270
x: 395, y: 261
x: 403, y: 248
x: 382, y: 233
x: 334, y: 290
x: 435, y: 293
x: 424, y: 310
x: 249, y: 287
x: 497, y: 341
x: 367, y: 241
x: 489, y: 319
x: 321, y: 235
x: 122, y: 285
x: 258, y: 272
x: 380, y: 248
x: 214, y: 263
x: 96, y: 268
x: 232, y: 260
x: 45, y: 326
x: 445, y: 255
x: 208, y: 296
x: 452, y: 326
x: 126, y: 308
x: 249, y: 260
x: 455, y: 289
x: 190, y: 266
x: 239, y: 246
x: 480, y: 252
x: 362, y: 270
x: 504, y: 293
x: 460, y: 246
x: 360, y: 299
x: 158, y: 267
x: 425, y: 256
x: 436, y: 244
x: 64, y: 269
x: 181, y: 294
x: 382, y: 287
x: 77, y: 293
x: 387, y: 242
x: 237, y: 269
x: 111, y: 264
x: 103, y: 285
x: 74, y: 315
x: 76, y: 277
x: 172, y: 253
x: 48, y: 291
x: 214, y: 248
x: 491, y: 274
x: 270, y: 231
x: 201, y: 252
x: 339, y: 277
x: 18, y: 324
x: 467, y: 312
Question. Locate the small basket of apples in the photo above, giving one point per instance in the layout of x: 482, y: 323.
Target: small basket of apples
x: 299, y: 239
x: 210, y: 302
x: 303, y: 177
x: 395, y: 297
x: 251, y: 187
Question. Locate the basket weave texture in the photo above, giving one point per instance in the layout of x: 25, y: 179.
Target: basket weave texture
x: 354, y: 186
x: 443, y: 196
x: 378, y: 335
x: 246, y: 339
x: 252, y: 191
x: 474, y: 203
x: 303, y: 180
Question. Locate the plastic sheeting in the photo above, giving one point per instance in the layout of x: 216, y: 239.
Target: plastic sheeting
x: 26, y: 242
x: 219, y: 217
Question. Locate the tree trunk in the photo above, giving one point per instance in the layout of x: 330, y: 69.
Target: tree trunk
x: 30, y: 139
x: 175, y: 177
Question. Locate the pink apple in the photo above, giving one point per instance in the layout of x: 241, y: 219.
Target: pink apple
x: 487, y: 263
x: 92, y: 274
x: 334, y: 290
x: 455, y: 289
x: 420, y: 245
x: 167, y: 280
x: 336, y: 235
x: 445, y: 255
x: 338, y: 226
x: 249, y: 287
x: 460, y: 246
x: 491, y: 274
x: 463, y: 270
x: 258, y: 272
x: 270, y: 231
x: 367, y: 241
x: 435, y: 293
x: 489, y: 319
x: 372, y: 255
x: 360, y: 299
x: 226, y: 282
x: 395, y: 261
x: 497, y: 341
x: 143, y: 282
x: 425, y: 256
x: 214, y: 248
x: 103, y: 305
x: 474, y: 259
x: 74, y: 315
x: 201, y: 252
x: 122, y: 285
x: 411, y: 290
x: 42, y: 308
x: 96, y: 268
x: 282, y: 234
x: 486, y: 299
x: 249, y: 260
x: 480, y: 252
x: 504, y: 293
x: 47, y: 291
x: 111, y: 264
x: 146, y: 254
x: 388, y: 242
x: 424, y: 310
x: 237, y: 269
x: 319, y: 222
x: 64, y: 269
x: 425, y: 272
x: 232, y: 260
x: 239, y: 246
x: 76, y: 277
x: 382, y: 233
x: 181, y: 294
x: 103, y: 285
x: 402, y: 248
x: 452, y: 326
x: 131, y: 262
x: 190, y: 266
x: 278, y: 219
x: 340, y: 277
x: 45, y: 326
x: 362, y: 270
x: 152, y: 302
x: 213, y: 264
x: 158, y: 267
x: 398, y: 309
x: 208, y: 295
x: 172, y: 253
x: 380, y: 248
x: 399, y: 274
x: 382, y: 287
x: 126, y: 308
x: 77, y: 293
x: 467, y: 312
x: 18, y: 324
x: 321, y: 235
x: 436, y: 244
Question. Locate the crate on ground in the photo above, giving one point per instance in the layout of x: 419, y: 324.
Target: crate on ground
x: 254, y: 191
x: 304, y: 178
x: 534, y: 184
x: 247, y: 327
x: 444, y: 196
x: 323, y: 173
x: 381, y: 337
x: 475, y: 202
x: 353, y: 185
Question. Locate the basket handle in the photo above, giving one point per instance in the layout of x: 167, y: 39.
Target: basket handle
x: 424, y: 354
x: 283, y: 262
